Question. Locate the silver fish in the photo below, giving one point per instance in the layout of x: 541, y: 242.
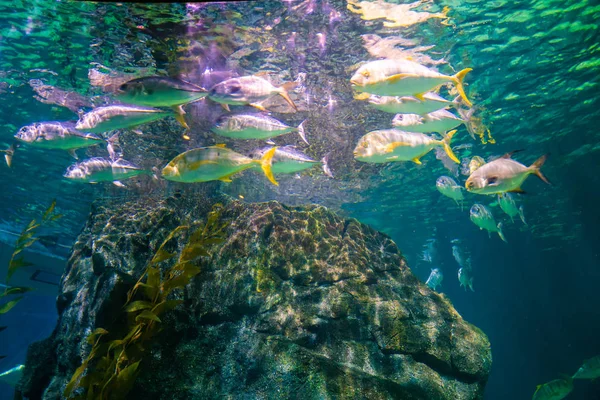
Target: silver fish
x: 403, y: 78
x: 390, y: 145
x: 483, y: 218
x: 589, y: 370
x: 435, y: 278
x: 430, y: 251
x: 554, y: 390
x: 449, y: 188
x: 157, y: 91
x: 465, y: 277
x: 288, y: 160
x: 410, y: 105
x: 249, y: 90
x: 95, y: 170
x: 509, y: 206
x: 56, y: 135
x: 459, y: 255
x: 104, y: 119
x: 254, y: 126
x: 503, y: 175
x: 437, y: 121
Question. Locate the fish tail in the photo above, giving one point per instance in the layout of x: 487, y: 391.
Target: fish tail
x: 110, y: 145
x: 266, y: 162
x: 8, y: 154
x: 179, y: 116
x: 535, y: 168
x: 500, y: 233
x: 283, y: 92
x: 326, y: 169
x: 446, y: 144
x: 522, y: 215
x: 458, y: 81
x: 302, y: 132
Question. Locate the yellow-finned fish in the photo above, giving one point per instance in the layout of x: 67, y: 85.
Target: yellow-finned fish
x: 589, y: 370
x: 390, y: 145
x: 475, y: 163
x: 554, y: 390
x: 249, y: 90
x: 503, y: 175
x: 437, y: 121
x: 214, y: 163
x: 410, y: 105
x: 404, y: 78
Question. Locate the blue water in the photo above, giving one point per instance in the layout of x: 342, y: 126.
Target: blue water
x: 534, y: 85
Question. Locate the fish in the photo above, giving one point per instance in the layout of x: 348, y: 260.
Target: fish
x: 465, y: 278
x: 449, y: 188
x: 57, y: 135
x: 410, y: 105
x: 288, y: 160
x: 12, y: 376
x: 430, y: 251
x: 503, y: 175
x: 589, y: 370
x: 395, y: 145
x: 554, y: 390
x: 509, y: 206
x: 94, y: 170
x: 475, y: 163
x: 404, y: 78
x: 215, y: 163
x: 435, y: 278
x: 459, y: 255
x: 158, y: 91
x: 9, y: 154
x: 437, y: 121
x: 254, y: 126
x: 109, y: 118
x: 249, y: 90
x: 483, y: 218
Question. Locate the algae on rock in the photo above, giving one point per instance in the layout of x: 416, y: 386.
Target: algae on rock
x: 296, y: 303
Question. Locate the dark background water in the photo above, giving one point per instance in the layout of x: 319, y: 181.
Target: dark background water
x: 535, y: 83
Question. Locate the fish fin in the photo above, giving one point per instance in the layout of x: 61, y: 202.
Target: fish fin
x: 185, y: 136
x: 226, y: 107
x: 73, y: 154
x: 179, y: 116
x: 119, y: 184
x: 302, y: 132
x: 392, y: 146
x: 535, y: 168
x: 221, y: 145
x: 458, y: 81
x: 283, y: 92
x: 510, y: 154
x: 266, y: 162
x: 226, y: 179
x: 399, y: 77
x: 361, y: 96
x: 500, y: 233
x: 270, y: 142
x: 447, y: 148
x: 8, y: 154
x: 522, y: 215
x: 326, y: 169
x: 518, y: 190
x: 420, y: 96
x: 258, y: 106
x: 417, y: 161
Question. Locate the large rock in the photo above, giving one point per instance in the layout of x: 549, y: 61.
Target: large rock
x: 298, y: 303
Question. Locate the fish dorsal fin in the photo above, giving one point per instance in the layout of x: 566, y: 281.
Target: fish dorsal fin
x: 221, y: 145
x: 509, y: 155
x: 399, y: 77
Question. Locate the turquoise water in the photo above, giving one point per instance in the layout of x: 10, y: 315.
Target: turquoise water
x: 534, y: 84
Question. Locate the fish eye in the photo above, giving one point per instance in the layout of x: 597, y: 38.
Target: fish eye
x: 234, y: 89
x: 365, y: 144
x: 366, y: 74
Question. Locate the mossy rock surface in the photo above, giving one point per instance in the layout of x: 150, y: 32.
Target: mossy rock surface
x: 298, y: 303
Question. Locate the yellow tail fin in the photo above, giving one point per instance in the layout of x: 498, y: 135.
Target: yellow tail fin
x: 446, y: 143
x: 458, y: 81
x: 265, y: 163
x: 283, y: 92
x: 179, y: 116
x: 535, y: 168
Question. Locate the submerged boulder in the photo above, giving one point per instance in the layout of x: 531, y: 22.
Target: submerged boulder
x: 297, y: 303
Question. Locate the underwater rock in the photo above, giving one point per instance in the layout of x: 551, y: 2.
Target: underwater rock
x: 297, y: 303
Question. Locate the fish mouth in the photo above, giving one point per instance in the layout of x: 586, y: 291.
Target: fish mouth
x: 354, y: 82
